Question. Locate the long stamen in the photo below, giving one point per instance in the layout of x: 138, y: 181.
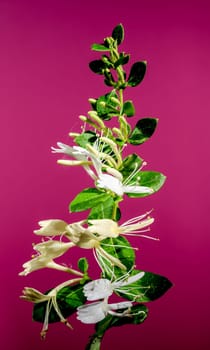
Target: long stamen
x: 133, y: 173
x: 143, y: 236
x: 126, y: 275
x: 101, y: 263
x: 120, y: 246
x: 137, y: 218
x: 111, y: 258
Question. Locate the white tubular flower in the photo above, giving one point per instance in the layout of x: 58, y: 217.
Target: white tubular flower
x: 103, y: 288
x: 95, y: 312
x: 108, y: 228
x: 52, y: 248
x: 81, y: 236
x: 79, y: 153
x: 52, y: 227
x: 47, y: 251
x: 114, y: 184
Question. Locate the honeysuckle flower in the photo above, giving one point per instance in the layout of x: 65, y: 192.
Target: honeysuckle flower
x: 77, y: 234
x: 81, y: 154
x: 103, y: 288
x: 92, y: 155
x: 34, y: 296
x: 52, y: 227
x: 109, y: 228
x: 46, y: 253
x: 114, y: 184
x: 95, y: 312
x: 112, y: 180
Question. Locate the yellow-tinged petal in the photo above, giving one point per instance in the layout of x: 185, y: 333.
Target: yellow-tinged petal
x: 51, y: 227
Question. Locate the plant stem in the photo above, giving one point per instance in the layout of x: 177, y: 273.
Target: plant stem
x: 94, y: 343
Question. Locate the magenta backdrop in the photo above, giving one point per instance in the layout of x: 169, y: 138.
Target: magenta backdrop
x: 45, y: 83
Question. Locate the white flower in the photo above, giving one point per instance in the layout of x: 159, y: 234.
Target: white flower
x: 47, y: 251
x: 108, y: 228
x: 77, y: 234
x: 103, y: 288
x: 52, y: 227
x: 81, y: 154
x: 52, y: 248
x: 95, y: 312
x: 81, y: 236
x: 114, y: 184
x: 112, y: 179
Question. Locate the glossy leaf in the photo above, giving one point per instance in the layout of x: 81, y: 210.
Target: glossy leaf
x: 143, y: 130
x: 83, y: 265
x: 123, y: 59
x: 118, y: 33
x: 130, y: 164
x: 148, y: 288
x: 97, y: 66
x: 103, y: 210
x: 121, y: 249
x: 128, y: 108
x: 88, y: 198
x: 86, y: 137
x: 151, y: 179
x: 137, y: 73
x: 99, y: 47
x: 68, y: 299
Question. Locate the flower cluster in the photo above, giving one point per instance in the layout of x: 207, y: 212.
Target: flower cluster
x: 99, y: 150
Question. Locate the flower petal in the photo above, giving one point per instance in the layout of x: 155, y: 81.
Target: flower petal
x: 51, y: 227
x: 98, y: 289
x: 92, y: 313
x: 109, y: 182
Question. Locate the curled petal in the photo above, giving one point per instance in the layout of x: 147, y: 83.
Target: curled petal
x: 98, y: 289
x: 52, y: 248
x: 92, y: 313
x: 52, y: 227
x: 104, y: 228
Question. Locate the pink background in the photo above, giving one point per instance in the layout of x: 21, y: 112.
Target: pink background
x: 45, y: 83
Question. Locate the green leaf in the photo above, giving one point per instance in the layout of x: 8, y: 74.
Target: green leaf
x: 121, y: 249
x: 105, y: 106
x: 86, y: 137
x: 68, y: 299
x: 143, y: 130
x: 83, y: 265
x: 152, y: 179
x: 137, y: 73
x: 104, y: 209
x: 118, y: 33
x: 130, y: 164
x: 88, y: 198
x: 99, y: 47
x: 123, y: 59
x: 97, y: 66
x: 128, y: 108
x: 148, y: 288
